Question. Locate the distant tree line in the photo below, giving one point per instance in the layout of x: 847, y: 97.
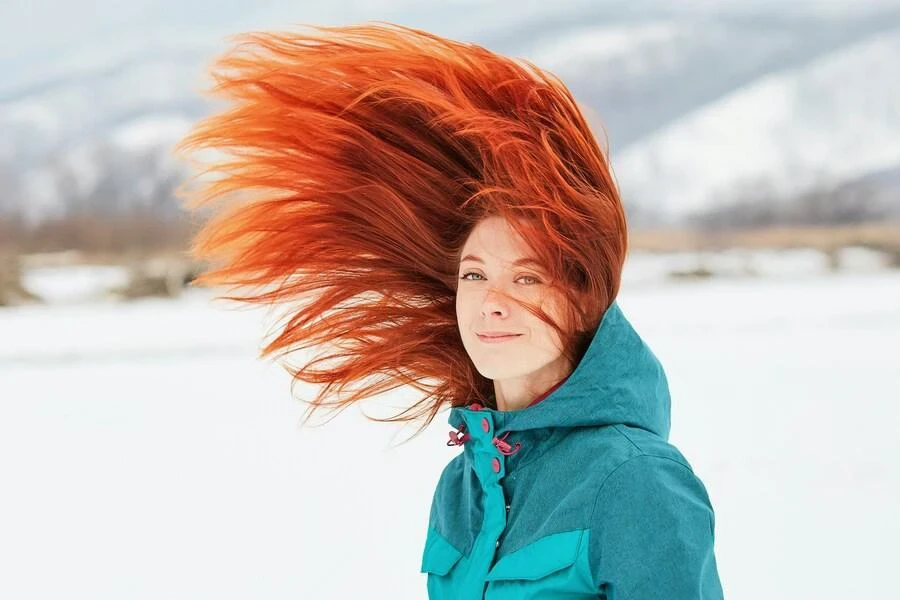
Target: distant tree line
x: 130, y: 206
x: 112, y: 201
x: 757, y: 204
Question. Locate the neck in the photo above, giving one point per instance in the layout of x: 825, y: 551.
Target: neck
x: 517, y: 393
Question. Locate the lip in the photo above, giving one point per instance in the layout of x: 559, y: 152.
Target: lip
x: 497, y: 337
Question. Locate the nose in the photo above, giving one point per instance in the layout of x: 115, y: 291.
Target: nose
x: 494, y: 304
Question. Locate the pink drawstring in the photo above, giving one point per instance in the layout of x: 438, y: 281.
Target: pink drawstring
x: 455, y: 438
x: 504, y: 448
x: 458, y: 440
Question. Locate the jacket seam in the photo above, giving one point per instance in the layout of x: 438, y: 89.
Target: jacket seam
x: 624, y: 434
x: 627, y: 437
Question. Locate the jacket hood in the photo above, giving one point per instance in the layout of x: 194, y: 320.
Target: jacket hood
x: 618, y: 381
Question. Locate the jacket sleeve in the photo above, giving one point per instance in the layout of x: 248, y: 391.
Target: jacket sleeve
x: 652, y: 532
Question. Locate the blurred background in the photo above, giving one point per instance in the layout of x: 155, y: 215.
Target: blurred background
x: 146, y: 452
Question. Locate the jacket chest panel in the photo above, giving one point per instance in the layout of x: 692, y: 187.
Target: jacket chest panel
x: 544, y: 527
x: 553, y: 566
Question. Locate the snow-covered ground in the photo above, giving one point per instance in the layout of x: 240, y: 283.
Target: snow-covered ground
x: 146, y: 453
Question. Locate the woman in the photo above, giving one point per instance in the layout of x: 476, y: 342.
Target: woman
x: 432, y: 214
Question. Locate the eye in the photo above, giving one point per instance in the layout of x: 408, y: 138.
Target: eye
x: 534, y: 280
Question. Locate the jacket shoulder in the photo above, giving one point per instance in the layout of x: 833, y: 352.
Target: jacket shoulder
x: 652, y: 510
x: 605, y: 449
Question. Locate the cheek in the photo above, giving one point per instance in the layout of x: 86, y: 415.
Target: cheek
x: 546, y: 336
x: 464, y: 308
x: 553, y: 305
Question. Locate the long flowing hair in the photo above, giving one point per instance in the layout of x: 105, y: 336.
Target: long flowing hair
x: 343, y: 176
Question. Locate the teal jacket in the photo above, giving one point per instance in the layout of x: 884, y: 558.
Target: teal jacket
x: 594, y: 503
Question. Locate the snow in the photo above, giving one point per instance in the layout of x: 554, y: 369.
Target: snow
x: 860, y: 259
x: 38, y: 116
x: 586, y: 44
x: 73, y: 283
x: 147, y: 452
x: 652, y: 268
x: 150, y: 132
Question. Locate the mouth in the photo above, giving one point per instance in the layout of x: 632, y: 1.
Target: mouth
x: 496, y: 339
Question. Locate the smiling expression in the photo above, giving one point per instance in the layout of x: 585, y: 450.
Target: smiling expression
x: 503, y: 339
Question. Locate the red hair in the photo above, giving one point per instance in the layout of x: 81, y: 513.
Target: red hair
x: 351, y: 164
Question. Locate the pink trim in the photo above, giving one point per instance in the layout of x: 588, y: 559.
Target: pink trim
x: 548, y: 392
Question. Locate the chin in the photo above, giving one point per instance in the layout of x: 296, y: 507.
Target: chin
x: 496, y: 371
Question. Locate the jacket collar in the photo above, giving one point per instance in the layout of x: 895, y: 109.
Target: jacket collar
x: 618, y: 381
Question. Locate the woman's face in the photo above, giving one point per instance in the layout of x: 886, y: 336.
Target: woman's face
x: 489, y: 264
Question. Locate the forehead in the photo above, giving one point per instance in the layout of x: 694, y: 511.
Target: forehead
x: 494, y: 240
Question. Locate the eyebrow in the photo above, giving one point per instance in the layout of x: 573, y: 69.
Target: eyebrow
x: 521, y: 261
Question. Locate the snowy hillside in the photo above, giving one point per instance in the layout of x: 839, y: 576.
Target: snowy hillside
x: 833, y: 120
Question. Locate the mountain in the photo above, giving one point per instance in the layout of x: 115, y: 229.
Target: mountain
x: 832, y: 120
x: 695, y: 97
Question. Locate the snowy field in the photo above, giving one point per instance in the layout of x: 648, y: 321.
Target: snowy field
x: 146, y: 453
